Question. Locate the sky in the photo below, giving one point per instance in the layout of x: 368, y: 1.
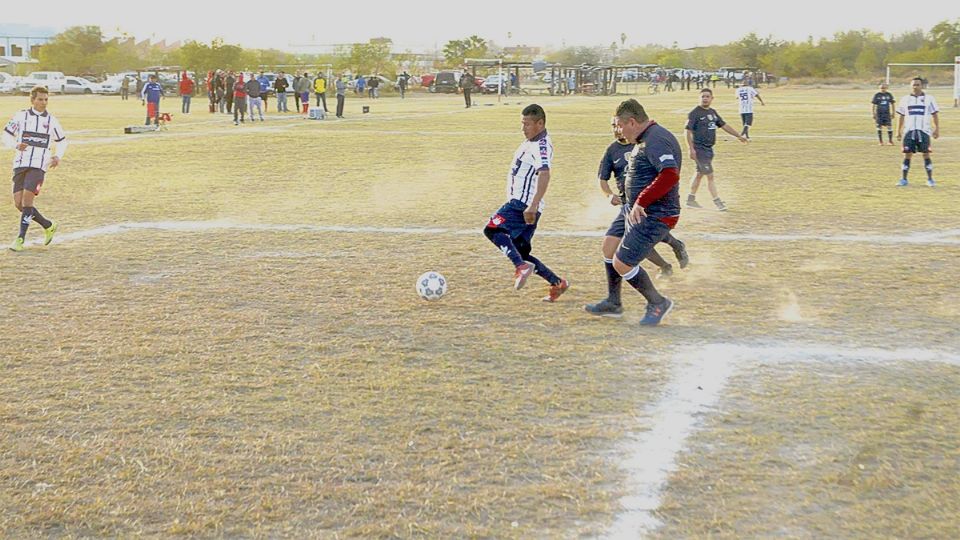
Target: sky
x: 423, y: 26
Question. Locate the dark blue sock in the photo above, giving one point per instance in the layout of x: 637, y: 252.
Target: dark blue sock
x: 928, y: 165
x: 906, y: 167
x: 614, y: 282
x: 503, y: 241
x: 890, y: 136
x: 542, y: 270
x: 644, y: 285
x: 880, y: 135
x: 25, y: 218
x: 44, y: 222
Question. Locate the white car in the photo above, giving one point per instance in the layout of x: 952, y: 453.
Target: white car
x: 8, y: 83
x: 77, y: 85
x: 53, y: 80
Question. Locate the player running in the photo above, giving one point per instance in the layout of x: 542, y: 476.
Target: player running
x: 614, y: 163
x: 31, y: 133
x: 883, y: 107
x: 652, y: 205
x: 702, y: 124
x: 917, y: 110
x: 512, y: 228
x: 745, y: 95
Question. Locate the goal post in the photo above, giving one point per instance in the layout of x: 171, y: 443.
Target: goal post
x: 956, y: 72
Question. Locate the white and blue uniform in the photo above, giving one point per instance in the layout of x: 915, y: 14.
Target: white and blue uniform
x: 39, y: 131
x: 530, y: 158
x: 917, y: 112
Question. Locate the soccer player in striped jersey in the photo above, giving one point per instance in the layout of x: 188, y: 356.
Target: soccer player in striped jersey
x: 745, y: 95
x: 917, y: 110
x: 511, y: 229
x: 32, y: 133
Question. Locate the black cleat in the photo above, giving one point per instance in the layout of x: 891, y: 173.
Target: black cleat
x: 680, y: 250
x: 604, y: 308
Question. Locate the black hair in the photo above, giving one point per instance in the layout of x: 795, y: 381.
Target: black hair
x: 536, y: 112
x: 632, y: 108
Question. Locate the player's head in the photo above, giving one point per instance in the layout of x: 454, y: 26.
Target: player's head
x: 917, y: 85
x: 38, y: 98
x: 706, y: 97
x: 744, y: 81
x: 615, y: 126
x: 632, y: 119
x: 153, y: 77
x: 534, y: 120
x: 883, y: 87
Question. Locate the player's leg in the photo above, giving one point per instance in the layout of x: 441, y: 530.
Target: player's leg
x: 909, y: 147
x: 928, y: 165
x: 637, y: 243
x: 694, y: 186
x: 679, y: 249
x: 666, y: 269
x: 501, y: 229
x: 611, y: 305
x: 524, y: 243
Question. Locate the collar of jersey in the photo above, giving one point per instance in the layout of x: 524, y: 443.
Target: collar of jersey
x: 35, y: 113
x: 541, y: 135
x: 644, y: 132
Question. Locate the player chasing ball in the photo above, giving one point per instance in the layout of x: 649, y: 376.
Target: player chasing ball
x: 30, y: 133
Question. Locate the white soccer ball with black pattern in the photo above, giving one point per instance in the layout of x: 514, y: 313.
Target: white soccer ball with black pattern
x: 431, y: 286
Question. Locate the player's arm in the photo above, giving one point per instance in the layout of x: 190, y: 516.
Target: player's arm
x: 899, y: 125
x: 10, y: 133
x: 760, y: 99
x: 936, y: 125
x: 693, y: 151
x: 667, y: 179
x: 60, y: 139
x: 731, y: 131
x: 543, y: 181
x: 874, y: 109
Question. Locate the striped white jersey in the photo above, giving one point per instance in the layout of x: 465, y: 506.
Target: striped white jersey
x: 917, y: 112
x: 532, y: 157
x: 745, y: 95
x: 39, y: 131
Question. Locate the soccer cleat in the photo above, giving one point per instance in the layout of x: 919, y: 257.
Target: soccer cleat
x: 720, y: 206
x: 49, y: 232
x: 666, y: 271
x: 902, y: 182
x: 692, y: 203
x: 556, y: 291
x: 17, y: 245
x: 656, y: 312
x: 931, y: 183
x: 604, y: 308
x: 680, y: 250
x: 520, y: 276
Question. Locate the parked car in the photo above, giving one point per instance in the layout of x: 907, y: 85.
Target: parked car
x: 446, y: 82
x: 426, y: 80
x: 493, y: 82
x: 8, y: 83
x: 53, y: 80
x: 77, y: 85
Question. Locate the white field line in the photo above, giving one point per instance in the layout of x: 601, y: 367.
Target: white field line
x: 700, y: 377
x: 948, y: 237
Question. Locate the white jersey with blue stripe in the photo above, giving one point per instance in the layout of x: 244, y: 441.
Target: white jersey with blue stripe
x: 532, y: 156
x: 39, y: 131
x: 917, y: 112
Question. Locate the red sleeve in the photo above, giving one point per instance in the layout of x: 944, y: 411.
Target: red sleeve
x: 662, y: 184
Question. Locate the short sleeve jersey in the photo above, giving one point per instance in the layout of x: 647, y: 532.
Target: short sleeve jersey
x: 614, y: 163
x: 38, y: 131
x: 531, y: 157
x: 917, y: 112
x: 704, y: 123
x: 745, y: 95
x: 656, y: 150
x: 883, y: 101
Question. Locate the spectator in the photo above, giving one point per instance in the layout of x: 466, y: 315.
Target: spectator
x: 264, y: 89
x: 320, y: 88
x: 280, y: 86
x: 125, y: 88
x: 186, y: 92
x: 341, y: 95
x: 296, y: 93
x: 303, y: 88
x: 361, y: 85
x: 402, y: 83
x: 230, y: 84
x: 252, y: 88
x: 374, y: 85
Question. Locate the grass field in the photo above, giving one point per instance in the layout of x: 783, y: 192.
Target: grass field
x: 225, y: 340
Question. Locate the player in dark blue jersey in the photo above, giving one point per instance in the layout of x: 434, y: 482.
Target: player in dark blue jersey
x: 614, y: 163
x: 702, y: 124
x: 652, y: 205
x: 883, y: 107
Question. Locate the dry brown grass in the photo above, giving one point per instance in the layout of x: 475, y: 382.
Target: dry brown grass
x: 241, y: 383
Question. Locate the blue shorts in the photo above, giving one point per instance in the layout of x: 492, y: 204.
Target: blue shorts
x: 509, y: 218
x: 640, y: 239
x: 916, y: 141
x: 747, y: 118
x: 704, y: 160
x: 619, y: 224
x: 27, y: 179
x: 884, y: 120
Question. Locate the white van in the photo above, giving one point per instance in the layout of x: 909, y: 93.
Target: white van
x: 53, y: 80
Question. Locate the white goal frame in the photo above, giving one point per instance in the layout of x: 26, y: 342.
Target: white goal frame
x: 956, y: 73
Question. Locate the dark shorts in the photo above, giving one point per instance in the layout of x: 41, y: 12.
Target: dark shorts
x: 27, y: 179
x: 509, y: 218
x: 704, y: 160
x: 640, y: 239
x: 747, y: 118
x: 884, y: 120
x: 619, y: 224
x: 916, y: 141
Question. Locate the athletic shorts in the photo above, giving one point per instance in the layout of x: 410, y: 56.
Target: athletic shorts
x: 27, y: 179
x: 619, y: 224
x: 884, y: 120
x: 747, y: 118
x: 640, y: 239
x: 916, y: 141
x: 509, y: 218
x: 704, y: 160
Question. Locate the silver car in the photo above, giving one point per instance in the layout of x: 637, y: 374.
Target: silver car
x: 78, y: 85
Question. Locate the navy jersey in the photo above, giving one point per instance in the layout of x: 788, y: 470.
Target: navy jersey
x: 656, y: 150
x: 704, y: 123
x: 614, y: 163
x: 883, y: 101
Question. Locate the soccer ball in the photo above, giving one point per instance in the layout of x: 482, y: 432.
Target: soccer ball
x: 431, y: 285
